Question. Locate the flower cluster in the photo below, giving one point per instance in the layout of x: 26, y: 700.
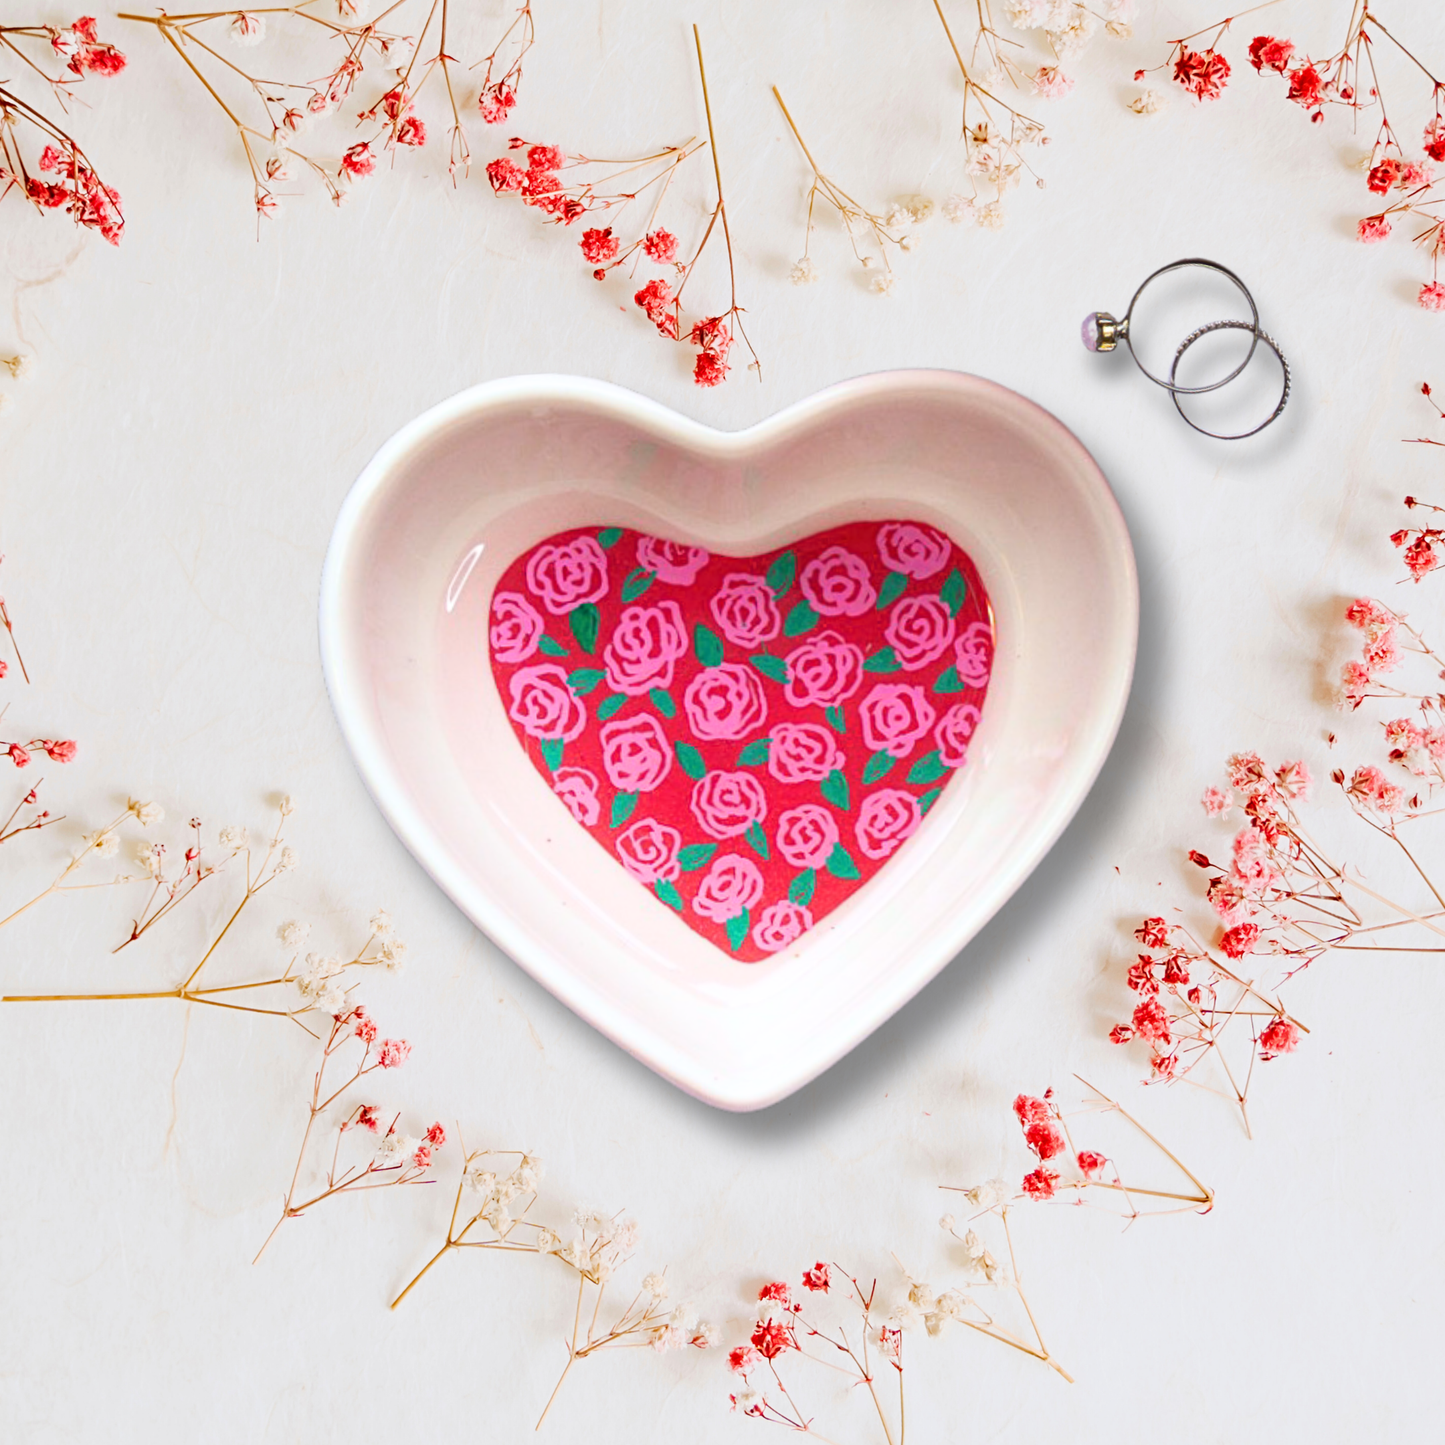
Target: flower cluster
x: 60, y: 177
x: 1350, y: 77
x: 785, y: 1330
x: 380, y: 61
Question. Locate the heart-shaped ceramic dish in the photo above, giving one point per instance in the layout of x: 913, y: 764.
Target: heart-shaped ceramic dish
x: 461, y: 493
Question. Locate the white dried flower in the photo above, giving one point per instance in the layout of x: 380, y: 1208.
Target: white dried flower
x: 232, y: 837
x: 19, y: 366
x: 528, y: 1173
x: 293, y: 934
x: 868, y: 262
x: 991, y: 217
x: 1147, y: 102
x: 919, y: 1293
x: 247, y: 29
x: 381, y: 923
x: 946, y: 1223
x: 919, y: 208
x: 497, y: 1215
x: 973, y: 1246
x: 150, y: 857
x: 104, y: 845
x: 1078, y: 30
x: 393, y: 954
x: 623, y: 1236
x: 958, y: 208
x: 706, y: 1336
x: 683, y: 1319
x: 897, y: 215
x: 353, y: 9
x: 655, y: 1285
x: 285, y: 806
x: 393, y: 1149
x: 547, y: 1240
x: 146, y: 813
x: 905, y: 243
x: 478, y: 1177
x: 882, y: 283
x: 804, y: 272
x: 286, y: 861
x: 744, y: 1400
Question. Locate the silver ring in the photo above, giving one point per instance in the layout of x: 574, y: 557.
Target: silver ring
x: 1177, y: 391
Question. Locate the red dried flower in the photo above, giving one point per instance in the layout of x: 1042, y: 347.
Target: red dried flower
x: 545, y: 158
x: 358, y: 161
x: 1267, y: 53
x: 1281, y: 1037
x: 817, y: 1277
x: 770, y: 1339
x: 1141, y: 976
x: 1120, y: 1034
x: 1089, y: 1162
x: 1151, y: 1022
x: 1153, y: 933
x: 598, y: 245
x: 1240, y: 939
x: 710, y: 369
x: 1306, y: 87
x: 1041, y: 1183
x: 660, y: 246
x: 505, y: 175
x: 1384, y: 175
x: 1203, y: 73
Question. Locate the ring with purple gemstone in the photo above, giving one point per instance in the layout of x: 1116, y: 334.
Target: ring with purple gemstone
x: 1102, y: 331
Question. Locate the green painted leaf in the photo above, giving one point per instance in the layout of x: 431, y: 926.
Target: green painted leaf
x: 800, y: 620
x: 585, y: 679
x: 928, y: 769
x: 609, y: 536
x: 954, y: 591
x: 669, y: 894
x: 800, y: 890
x: 879, y: 766
x: 662, y: 701
x: 770, y: 666
x: 636, y: 583
x: 836, y: 720
x: 622, y: 806
x: 690, y: 759
x: 928, y: 799
x: 708, y: 645
x: 755, y: 752
x: 835, y: 790
x: 584, y: 622
x: 691, y: 858
x: 840, y: 863
x: 612, y: 703
x: 552, y: 752
x: 885, y: 660
x: 551, y: 646
x: 757, y: 839
x: 948, y: 681
x: 891, y: 590
x: 781, y: 572
x: 737, y: 929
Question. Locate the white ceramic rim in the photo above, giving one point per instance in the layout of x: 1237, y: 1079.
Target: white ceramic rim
x: 347, y: 685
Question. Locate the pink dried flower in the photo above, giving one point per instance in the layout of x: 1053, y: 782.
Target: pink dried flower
x: 393, y: 1053
x: 1306, y: 87
x: 436, y: 1136
x: 1267, y: 53
x: 368, y: 1118
x: 411, y: 132
x: 1240, y: 939
x: 1151, y: 1022
x: 1153, y: 933
x: 1364, y: 612
x: 1141, y: 976
x: 1281, y: 1037
x: 771, y: 1339
x: 743, y: 1359
x: 1121, y: 1034
x: 1372, y: 229
x: 817, y: 1277
x: 710, y: 369
x: 545, y: 158
x: 1051, y: 83
x: 505, y: 175
x: 1215, y: 802
x: 60, y: 752
x: 1090, y: 1163
x: 1295, y: 780
x: 358, y: 161
x: 660, y: 246
x: 598, y: 245
x: 775, y: 1293
x: 1420, y: 556
x: 1041, y: 1183
x: 1202, y: 73
x: 19, y: 755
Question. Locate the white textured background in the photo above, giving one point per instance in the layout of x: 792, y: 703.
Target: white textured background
x: 170, y: 475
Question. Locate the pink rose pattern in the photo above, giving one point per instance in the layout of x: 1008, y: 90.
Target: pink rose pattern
x: 516, y: 628
x: 752, y: 738
x: 644, y: 648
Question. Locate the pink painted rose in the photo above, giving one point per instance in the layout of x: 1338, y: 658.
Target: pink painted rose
x: 973, y: 654
x: 916, y: 551
x: 919, y: 630
x: 577, y: 787
x: 644, y: 648
x: 803, y: 752
x: 732, y: 885
x: 516, y: 627
x: 779, y: 925
x: 895, y: 715
x: 836, y: 582
x: 807, y: 836
x: 648, y: 850
x: 725, y: 702
x: 951, y: 735
x: 671, y: 561
x: 824, y: 672
x: 728, y: 804
x: 544, y: 705
x: 886, y: 818
x: 566, y: 574
x: 746, y: 611
x: 635, y: 753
